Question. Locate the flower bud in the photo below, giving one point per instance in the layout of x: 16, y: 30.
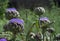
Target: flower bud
x: 39, y: 10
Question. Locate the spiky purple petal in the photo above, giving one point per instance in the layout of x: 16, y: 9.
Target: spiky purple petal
x: 19, y: 21
x: 44, y: 19
x: 3, y: 39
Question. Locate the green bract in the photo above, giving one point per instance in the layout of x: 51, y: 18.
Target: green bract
x: 39, y: 10
x: 8, y: 35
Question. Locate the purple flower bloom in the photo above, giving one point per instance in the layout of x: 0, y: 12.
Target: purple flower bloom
x: 11, y: 13
x: 3, y: 39
x: 16, y: 20
x: 10, y: 9
x: 44, y: 19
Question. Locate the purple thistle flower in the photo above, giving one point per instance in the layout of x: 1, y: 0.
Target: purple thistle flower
x: 10, y: 9
x: 3, y: 39
x: 44, y: 19
x: 16, y: 20
x: 11, y: 13
x: 15, y: 25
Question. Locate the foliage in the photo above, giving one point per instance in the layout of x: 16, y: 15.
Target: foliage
x: 3, y: 6
x: 29, y: 17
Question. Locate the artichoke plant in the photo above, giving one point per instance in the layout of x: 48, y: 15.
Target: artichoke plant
x: 6, y: 35
x: 50, y: 33
x: 15, y: 25
x: 44, y: 22
x: 35, y: 37
x: 11, y: 13
x: 39, y: 11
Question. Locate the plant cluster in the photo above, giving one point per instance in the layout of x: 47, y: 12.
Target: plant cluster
x: 16, y: 26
